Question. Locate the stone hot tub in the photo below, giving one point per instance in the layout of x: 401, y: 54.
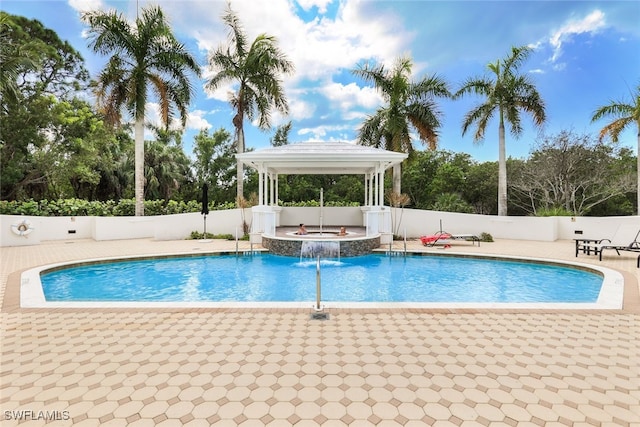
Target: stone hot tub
x: 326, y: 242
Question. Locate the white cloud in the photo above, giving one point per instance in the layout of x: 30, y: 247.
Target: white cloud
x: 82, y: 6
x: 560, y: 66
x: 222, y: 93
x: 318, y: 48
x: 298, y: 109
x: 351, y: 95
x: 152, y: 112
x: 320, y: 4
x: 87, y: 5
x: 589, y: 24
x: 318, y: 133
x: 196, y: 120
x: 354, y: 115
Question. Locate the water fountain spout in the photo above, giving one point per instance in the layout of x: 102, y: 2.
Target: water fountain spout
x: 314, y: 248
x: 318, y: 307
x: 321, y: 207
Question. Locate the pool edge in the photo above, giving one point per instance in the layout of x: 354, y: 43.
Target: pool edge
x: 611, y: 296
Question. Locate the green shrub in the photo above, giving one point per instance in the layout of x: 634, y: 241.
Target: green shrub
x: 485, y: 237
x: 29, y: 207
x: 196, y: 235
x: 79, y: 207
x: 122, y: 207
x: 8, y: 207
x: 314, y: 203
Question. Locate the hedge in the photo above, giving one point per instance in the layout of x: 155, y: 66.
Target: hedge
x: 123, y: 207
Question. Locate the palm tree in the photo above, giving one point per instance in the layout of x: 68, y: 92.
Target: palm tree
x: 409, y: 106
x: 144, y: 57
x: 256, y: 69
x: 166, y: 169
x: 507, y: 93
x: 625, y: 114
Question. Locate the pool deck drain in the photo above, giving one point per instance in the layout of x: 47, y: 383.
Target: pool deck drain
x: 319, y: 316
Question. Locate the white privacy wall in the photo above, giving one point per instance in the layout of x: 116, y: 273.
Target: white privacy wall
x: 410, y: 221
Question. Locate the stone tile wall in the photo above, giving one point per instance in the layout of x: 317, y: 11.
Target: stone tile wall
x: 348, y: 248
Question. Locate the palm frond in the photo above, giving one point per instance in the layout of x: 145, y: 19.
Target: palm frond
x: 377, y: 75
x: 430, y: 87
x: 256, y: 68
x: 512, y: 115
x: 370, y: 131
x: 515, y: 59
x: 614, y: 128
x: 109, y: 32
x: 476, y: 85
x: 236, y: 37
x: 480, y: 115
x: 408, y: 105
x: 615, y: 109
x: 425, y: 117
x: 508, y: 92
x: 624, y: 114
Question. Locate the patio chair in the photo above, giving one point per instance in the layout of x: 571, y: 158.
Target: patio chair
x: 439, y: 237
x: 625, y: 239
x: 444, y: 238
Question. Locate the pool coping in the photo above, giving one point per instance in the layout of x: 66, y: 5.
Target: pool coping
x: 612, y: 294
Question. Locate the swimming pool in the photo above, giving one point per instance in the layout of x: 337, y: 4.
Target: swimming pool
x: 377, y: 278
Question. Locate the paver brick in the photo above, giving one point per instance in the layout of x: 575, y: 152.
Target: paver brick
x: 275, y: 367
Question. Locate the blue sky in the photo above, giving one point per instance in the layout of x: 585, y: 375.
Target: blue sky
x: 586, y: 53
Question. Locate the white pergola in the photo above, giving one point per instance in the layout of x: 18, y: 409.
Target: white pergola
x: 321, y: 158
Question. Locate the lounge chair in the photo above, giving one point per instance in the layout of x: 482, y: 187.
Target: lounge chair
x: 467, y: 237
x: 617, y: 245
x: 439, y: 237
x: 624, y: 239
x: 444, y: 238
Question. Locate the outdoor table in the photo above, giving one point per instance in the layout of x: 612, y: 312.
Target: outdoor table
x: 586, y: 246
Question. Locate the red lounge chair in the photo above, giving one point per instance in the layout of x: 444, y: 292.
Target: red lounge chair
x: 438, y: 237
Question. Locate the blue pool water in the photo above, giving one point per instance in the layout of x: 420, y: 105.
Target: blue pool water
x: 371, y: 278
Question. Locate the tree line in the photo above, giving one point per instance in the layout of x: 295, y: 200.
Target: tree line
x: 55, y: 144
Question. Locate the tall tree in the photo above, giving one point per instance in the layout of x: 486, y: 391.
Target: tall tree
x: 281, y: 135
x: 573, y: 173
x: 39, y: 74
x: 167, y: 168
x: 145, y: 57
x: 15, y: 57
x: 506, y: 93
x: 256, y: 69
x: 49, y: 65
x: 409, y: 105
x: 214, y: 163
x: 625, y: 114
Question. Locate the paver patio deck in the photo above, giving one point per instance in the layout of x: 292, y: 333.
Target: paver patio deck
x: 276, y: 367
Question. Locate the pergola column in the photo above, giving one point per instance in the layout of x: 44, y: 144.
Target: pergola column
x: 272, y: 189
x: 381, y: 185
x: 367, y: 197
x: 261, y: 185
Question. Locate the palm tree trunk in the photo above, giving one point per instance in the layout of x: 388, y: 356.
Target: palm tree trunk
x: 240, y: 168
x: 397, y: 176
x: 139, y: 165
x: 502, y: 170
